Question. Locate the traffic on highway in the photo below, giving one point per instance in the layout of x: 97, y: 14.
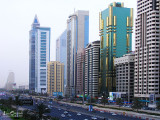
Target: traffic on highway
x: 65, y: 111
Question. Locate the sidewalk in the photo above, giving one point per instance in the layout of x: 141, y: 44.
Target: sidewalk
x: 119, y: 112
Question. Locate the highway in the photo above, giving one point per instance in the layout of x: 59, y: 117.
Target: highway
x: 57, y: 109
x: 70, y: 112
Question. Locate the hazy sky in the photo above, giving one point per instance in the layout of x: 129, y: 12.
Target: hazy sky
x: 16, y: 17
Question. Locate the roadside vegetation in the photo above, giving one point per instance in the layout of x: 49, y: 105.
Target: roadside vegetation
x: 11, y: 108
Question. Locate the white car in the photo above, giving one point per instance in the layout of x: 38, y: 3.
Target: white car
x: 69, y: 115
x: 101, y: 111
x: 93, y: 118
x: 78, y: 113
x: 65, y: 112
x: 62, y: 115
x: 113, y: 114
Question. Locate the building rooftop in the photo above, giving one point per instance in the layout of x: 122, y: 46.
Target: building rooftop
x: 117, y: 4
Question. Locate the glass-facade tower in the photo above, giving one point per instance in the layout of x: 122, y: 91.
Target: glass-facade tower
x: 61, y: 52
x: 77, y: 38
x: 115, y: 30
x: 32, y: 54
x: 39, y: 57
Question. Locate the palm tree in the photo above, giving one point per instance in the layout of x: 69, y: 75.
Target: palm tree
x: 104, y: 98
x: 41, y: 110
x: 17, y: 102
x: 10, y: 101
x: 158, y: 105
x: 119, y: 101
x: 25, y: 114
x: 2, y: 102
x: 136, y: 104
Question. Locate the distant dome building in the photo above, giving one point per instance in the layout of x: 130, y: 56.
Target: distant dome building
x: 10, y: 81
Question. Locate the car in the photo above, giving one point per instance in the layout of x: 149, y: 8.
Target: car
x: 93, y: 118
x: 78, y: 113
x: 65, y: 112
x: 62, y: 115
x: 114, y: 114
x: 101, y: 111
x: 145, y: 108
x: 69, y: 115
x: 59, y: 109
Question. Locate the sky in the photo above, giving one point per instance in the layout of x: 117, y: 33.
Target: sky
x: 16, y: 17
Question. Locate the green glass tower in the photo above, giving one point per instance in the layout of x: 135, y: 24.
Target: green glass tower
x: 115, y: 28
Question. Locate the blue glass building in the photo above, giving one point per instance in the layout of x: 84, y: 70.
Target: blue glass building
x: 39, y: 56
x: 61, y: 52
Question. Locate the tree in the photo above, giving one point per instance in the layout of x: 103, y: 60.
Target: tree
x: 60, y: 97
x: 3, y: 103
x: 41, y: 110
x: 158, y: 105
x: 119, y: 101
x: 136, y: 104
x: 73, y: 99
x: 10, y: 101
x: 25, y: 114
x: 17, y: 103
x: 54, y: 118
x: 104, y: 98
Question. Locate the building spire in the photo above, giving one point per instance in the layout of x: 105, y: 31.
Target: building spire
x: 36, y: 21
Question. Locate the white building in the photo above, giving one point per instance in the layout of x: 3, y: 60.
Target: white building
x: 23, y: 87
x: 147, y: 49
x: 39, y: 57
x: 124, y: 67
x: 92, y: 68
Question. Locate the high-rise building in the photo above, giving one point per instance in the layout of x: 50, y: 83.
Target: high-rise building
x: 80, y: 72
x: 32, y: 38
x: 39, y: 56
x: 92, y: 67
x: 55, y: 82
x: 147, y: 50
x: 115, y: 29
x: 124, y: 67
x: 77, y: 38
x: 10, y: 84
x: 61, y: 52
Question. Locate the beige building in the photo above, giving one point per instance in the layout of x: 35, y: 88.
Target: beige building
x: 147, y: 50
x: 124, y: 67
x: 80, y: 71
x: 55, y: 75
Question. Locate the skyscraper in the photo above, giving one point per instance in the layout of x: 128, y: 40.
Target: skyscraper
x: 115, y: 29
x: 55, y: 82
x: 80, y: 72
x: 32, y: 54
x: 61, y: 52
x: 39, y: 56
x: 77, y: 38
x: 92, y: 62
x: 147, y: 50
x: 10, y: 81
